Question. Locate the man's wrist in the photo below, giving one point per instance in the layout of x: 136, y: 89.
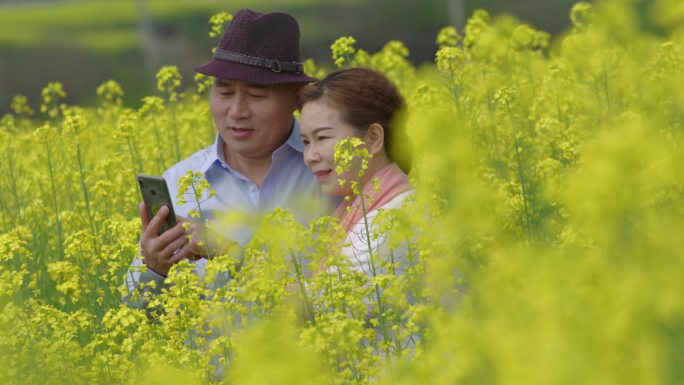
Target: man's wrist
x: 155, y: 271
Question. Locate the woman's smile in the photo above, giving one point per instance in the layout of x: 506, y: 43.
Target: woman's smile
x: 321, y: 175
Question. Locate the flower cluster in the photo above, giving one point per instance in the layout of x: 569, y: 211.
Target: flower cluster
x: 342, y: 50
x: 218, y: 22
x: 168, y: 81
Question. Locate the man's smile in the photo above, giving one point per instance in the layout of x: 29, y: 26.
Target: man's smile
x: 240, y: 132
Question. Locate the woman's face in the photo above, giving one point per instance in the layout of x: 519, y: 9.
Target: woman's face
x: 321, y: 129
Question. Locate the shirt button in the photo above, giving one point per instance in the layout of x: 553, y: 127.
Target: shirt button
x: 252, y: 188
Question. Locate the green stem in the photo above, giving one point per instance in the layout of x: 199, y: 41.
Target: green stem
x: 93, y: 227
x: 202, y: 219
x: 397, y: 344
x: 452, y: 88
x: 13, y: 181
x: 530, y: 76
x: 54, y: 104
x: 174, y: 124
x: 160, y: 157
x: 495, y: 136
x: 130, y: 153
x: 58, y: 220
x: 89, y: 291
x: 136, y: 153
x: 605, y: 88
x: 5, y: 208
x: 347, y: 59
x: 598, y: 100
x: 558, y: 107
x: 521, y: 174
x: 84, y: 189
x: 331, y: 295
x: 381, y: 306
x: 297, y: 263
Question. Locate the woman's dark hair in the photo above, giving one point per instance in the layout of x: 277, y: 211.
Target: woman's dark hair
x: 365, y: 97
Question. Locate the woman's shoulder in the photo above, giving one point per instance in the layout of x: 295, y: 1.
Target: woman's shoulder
x: 359, y: 238
x: 395, y: 203
x: 398, y: 200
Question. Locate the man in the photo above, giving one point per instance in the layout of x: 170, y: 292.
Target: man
x: 256, y: 163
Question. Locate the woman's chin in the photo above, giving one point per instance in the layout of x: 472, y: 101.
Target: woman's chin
x: 334, y: 189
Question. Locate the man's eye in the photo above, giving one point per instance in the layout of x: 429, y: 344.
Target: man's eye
x: 258, y: 96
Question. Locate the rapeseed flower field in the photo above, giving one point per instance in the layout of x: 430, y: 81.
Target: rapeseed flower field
x: 543, y: 243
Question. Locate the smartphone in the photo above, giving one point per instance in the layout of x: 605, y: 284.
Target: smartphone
x: 155, y: 194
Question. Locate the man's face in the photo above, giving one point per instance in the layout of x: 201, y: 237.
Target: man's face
x: 252, y: 120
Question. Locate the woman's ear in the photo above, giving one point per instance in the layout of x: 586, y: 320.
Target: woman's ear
x: 375, y: 138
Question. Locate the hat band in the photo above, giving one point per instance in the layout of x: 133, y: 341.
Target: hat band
x: 273, y: 65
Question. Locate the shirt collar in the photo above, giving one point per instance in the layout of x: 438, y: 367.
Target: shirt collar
x: 213, y: 156
x: 294, y: 141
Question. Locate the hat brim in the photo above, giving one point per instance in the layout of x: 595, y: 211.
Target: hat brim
x: 250, y: 74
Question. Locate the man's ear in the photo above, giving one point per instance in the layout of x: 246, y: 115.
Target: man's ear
x: 375, y: 138
x: 298, y: 89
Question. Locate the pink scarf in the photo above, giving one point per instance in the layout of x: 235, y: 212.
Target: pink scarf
x: 392, y: 182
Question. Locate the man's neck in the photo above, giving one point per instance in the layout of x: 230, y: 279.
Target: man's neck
x: 253, y: 168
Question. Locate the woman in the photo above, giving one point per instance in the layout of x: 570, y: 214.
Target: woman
x: 361, y: 103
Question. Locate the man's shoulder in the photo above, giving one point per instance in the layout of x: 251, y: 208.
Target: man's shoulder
x: 194, y: 162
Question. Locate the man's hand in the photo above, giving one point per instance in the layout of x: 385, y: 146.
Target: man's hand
x: 160, y: 252
x: 193, y: 231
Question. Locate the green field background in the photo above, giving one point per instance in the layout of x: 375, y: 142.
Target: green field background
x: 82, y: 43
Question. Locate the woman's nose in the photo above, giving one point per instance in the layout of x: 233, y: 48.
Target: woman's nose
x: 311, y: 156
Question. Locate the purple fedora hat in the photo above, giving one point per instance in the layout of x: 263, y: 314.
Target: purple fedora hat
x: 259, y: 48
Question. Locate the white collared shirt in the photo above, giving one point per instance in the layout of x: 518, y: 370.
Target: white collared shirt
x: 288, y: 184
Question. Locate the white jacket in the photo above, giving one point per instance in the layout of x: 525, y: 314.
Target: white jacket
x: 356, y: 245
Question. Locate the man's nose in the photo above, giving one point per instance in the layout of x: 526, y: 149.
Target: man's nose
x: 239, y: 109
